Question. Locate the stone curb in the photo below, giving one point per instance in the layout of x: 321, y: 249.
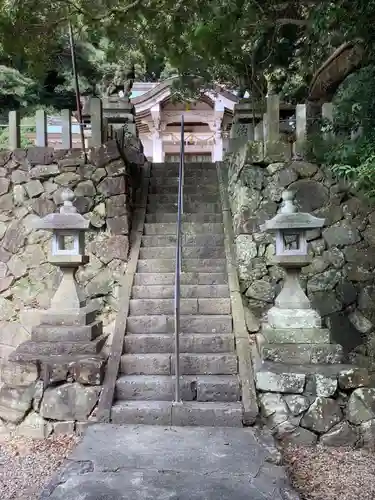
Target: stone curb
x: 106, y: 397
x: 243, y: 348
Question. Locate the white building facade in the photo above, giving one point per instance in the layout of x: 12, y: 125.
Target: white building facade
x: 206, y: 123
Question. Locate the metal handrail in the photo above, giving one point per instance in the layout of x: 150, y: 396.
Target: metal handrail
x: 180, y: 210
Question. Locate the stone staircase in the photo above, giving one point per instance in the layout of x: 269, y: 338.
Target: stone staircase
x: 210, y: 386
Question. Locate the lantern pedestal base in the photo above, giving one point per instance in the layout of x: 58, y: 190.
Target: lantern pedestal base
x: 294, y: 318
x: 55, y: 351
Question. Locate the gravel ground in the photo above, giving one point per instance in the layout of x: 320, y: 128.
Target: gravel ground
x: 324, y: 473
x: 27, y: 464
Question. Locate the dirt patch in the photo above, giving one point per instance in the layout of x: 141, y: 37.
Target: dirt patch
x: 322, y: 473
x: 27, y: 464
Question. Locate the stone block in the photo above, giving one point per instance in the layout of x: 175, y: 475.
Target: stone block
x: 69, y: 402
x: 85, y: 188
x: 85, y: 316
x: 367, y: 433
x: 67, y: 179
x: 42, y: 206
x: 322, y: 415
x: 4, y: 185
x: 326, y: 386
x: 341, y: 234
x: 44, y: 171
x: 14, y: 237
x: 296, y: 335
x: 293, y: 318
x: 63, y: 428
x: 29, y: 350
x: 300, y: 437
x: 352, y: 378
x: 116, y: 205
x: 342, y: 434
x: 280, y: 382
x: 34, y: 426
x: 102, y: 155
x: 89, y: 371
x: 296, y: 404
x: 361, y: 406
x: 15, y: 403
x: 119, y: 224
x: 34, y: 188
x: 111, y: 186
x: 207, y: 414
x: 59, y: 333
x: 114, y: 247
x: 55, y: 372
x: 40, y: 155
x: 18, y: 374
x: 309, y: 195
x: 273, y: 408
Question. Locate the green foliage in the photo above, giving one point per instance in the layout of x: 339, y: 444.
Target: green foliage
x: 352, y: 158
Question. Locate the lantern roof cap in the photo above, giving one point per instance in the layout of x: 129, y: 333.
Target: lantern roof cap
x: 66, y: 219
x: 289, y: 218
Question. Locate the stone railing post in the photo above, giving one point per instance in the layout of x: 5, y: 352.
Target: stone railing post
x: 14, y: 130
x: 66, y: 129
x: 96, y: 112
x: 41, y: 138
x: 301, y: 128
x: 273, y: 118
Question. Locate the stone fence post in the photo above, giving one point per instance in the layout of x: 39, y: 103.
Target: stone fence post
x: 14, y: 130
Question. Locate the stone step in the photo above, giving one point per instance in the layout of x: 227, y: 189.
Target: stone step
x: 187, y: 228
x: 190, y: 364
x: 206, y: 252
x: 190, y: 178
x: 193, y: 388
x: 168, y: 413
x: 299, y: 354
x: 172, y: 217
x: 174, y: 170
x: 140, y: 307
x: 202, y: 196
x: 189, y: 206
x: 188, y: 324
x: 199, y: 240
x: 186, y: 291
x: 159, y: 189
x: 189, y: 342
x: 151, y: 279
x: 160, y: 167
x: 188, y: 265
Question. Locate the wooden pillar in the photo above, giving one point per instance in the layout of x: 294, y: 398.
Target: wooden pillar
x: 41, y: 128
x: 66, y: 130
x: 14, y: 130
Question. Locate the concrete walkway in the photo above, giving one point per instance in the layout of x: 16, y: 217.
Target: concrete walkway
x: 174, y: 463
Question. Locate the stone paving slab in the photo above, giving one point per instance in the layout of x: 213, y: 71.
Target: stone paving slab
x: 171, y: 463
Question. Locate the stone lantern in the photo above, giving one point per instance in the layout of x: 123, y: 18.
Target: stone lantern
x: 68, y: 328
x: 67, y: 251
x: 292, y: 307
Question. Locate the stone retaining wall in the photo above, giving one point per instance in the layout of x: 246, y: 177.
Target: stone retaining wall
x: 340, y: 282
x: 332, y: 406
x: 31, y: 183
